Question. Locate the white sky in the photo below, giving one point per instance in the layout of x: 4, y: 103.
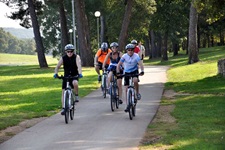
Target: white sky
x: 7, y: 22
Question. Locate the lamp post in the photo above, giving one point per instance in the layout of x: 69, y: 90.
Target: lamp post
x: 97, y: 14
x: 74, y: 27
x: 70, y: 31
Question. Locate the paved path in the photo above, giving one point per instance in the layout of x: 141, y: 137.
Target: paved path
x: 95, y: 126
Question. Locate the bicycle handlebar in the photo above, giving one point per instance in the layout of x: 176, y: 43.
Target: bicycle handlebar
x: 69, y: 77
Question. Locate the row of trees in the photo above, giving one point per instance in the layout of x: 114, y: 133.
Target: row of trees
x: 11, y: 44
x: 163, y: 25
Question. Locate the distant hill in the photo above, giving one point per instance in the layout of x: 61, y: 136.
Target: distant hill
x: 20, y: 33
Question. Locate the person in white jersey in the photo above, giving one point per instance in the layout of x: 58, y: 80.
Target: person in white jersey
x: 142, y: 51
x: 130, y: 61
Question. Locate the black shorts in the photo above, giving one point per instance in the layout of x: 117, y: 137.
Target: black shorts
x: 126, y: 79
x: 100, y: 65
x: 70, y: 82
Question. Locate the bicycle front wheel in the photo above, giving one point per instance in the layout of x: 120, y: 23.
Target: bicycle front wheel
x: 66, y: 101
x: 112, y: 98
x: 72, y: 109
x: 129, y: 97
x: 104, y: 86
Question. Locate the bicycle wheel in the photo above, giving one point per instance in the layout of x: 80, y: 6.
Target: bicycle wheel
x: 104, y: 86
x: 134, y: 109
x: 117, y: 97
x: 66, y: 101
x: 130, y: 104
x: 72, y: 109
x: 112, y: 98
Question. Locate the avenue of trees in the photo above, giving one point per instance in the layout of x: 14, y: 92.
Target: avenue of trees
x: 163, y: 25
x: 11, y: 44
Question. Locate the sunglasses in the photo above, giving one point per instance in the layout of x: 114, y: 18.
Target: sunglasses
x: 69, y: 51
x: 130, y: 50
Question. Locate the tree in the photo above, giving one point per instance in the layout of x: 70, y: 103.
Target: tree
x: 23, y: 14
x: 39, y: 45
x: 83, y: 34
x: 192, y: 44
x: 125, y: 24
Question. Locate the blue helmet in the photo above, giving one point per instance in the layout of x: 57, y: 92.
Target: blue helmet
x: 129, y: 46
x: 114, y: 44
x: 104, y: 46
x: 69, y: 47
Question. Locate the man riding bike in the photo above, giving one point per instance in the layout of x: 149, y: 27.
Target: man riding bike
x: 100, y: 57
x: 130, y: 61
x: 72, y: 67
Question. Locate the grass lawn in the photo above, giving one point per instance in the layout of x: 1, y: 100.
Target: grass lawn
x: 199, y: 111
x: 26, y: 91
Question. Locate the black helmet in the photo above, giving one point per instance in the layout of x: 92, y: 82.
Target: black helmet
x: 104, y: 46
x: 134, y: 42
x: 129, y: 46
x: 114, y: 44
x: 69, y: 47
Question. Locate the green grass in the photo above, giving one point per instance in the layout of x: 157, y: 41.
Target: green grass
x: 26, y: 91
x: 200, y: 115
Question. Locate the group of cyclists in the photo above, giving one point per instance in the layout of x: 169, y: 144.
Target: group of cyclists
x: 109, y: 59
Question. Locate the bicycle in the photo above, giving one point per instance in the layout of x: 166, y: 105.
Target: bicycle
x: 131, y: 96
x: 114, y: 93
x: 69, y: 98
x: 104, y: 83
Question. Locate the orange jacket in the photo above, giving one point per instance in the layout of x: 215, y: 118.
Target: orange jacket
x: 101, y: 55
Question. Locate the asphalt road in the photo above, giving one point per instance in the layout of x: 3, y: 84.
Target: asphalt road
x: 95, y: 126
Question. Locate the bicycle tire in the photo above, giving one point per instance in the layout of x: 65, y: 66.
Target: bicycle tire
x: 72, y: 109
x: 134, y: 110
x: 104, y: 86
x: 112, y: 100
x: 130, y: 104
x: 66, y: 101
x: 117, y: 97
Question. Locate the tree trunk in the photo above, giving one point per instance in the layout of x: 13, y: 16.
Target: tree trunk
x: 125, y: 24
x: 63, y: 25
x: 221, y: 66
x: 103, y: 30
x: 175, y: 48
x: 164, y: 48
x: 83, y: 34
x: 153, y: 46
x: 159, y: 45
x: 39, y: 45
x: 192, y: 44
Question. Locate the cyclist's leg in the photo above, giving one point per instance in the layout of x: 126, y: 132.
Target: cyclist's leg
x: 120, y: 90
x: 97, y: 69
x: 75, y: 88
x: 109, y: 78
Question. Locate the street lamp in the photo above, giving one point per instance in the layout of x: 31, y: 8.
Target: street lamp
x: 74, y: 27
x: 70, y: 31
x: 97, y: 14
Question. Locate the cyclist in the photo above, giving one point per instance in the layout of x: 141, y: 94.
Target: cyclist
x: 130, y: 61
x: 72, y: 66
x: 100, y: 57
x: 114, y: 56
x: 136, y: 48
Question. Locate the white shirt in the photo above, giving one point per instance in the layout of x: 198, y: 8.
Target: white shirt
x: 130, y: 62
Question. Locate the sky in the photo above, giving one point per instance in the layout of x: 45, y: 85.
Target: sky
x: 7, y: 22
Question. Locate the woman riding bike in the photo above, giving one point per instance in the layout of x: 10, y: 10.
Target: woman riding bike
x: 114, y: 56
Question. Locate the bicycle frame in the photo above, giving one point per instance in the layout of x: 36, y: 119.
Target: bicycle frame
x: 104, y: 83
x: 68, y: 99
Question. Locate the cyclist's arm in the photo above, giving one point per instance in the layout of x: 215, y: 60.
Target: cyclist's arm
x: 118, y: 66
x: 96, y: 59
x: 105, y: 60
x: 58, y: 65
x: 78, y: 61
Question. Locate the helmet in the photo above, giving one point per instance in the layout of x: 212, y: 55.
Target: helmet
x: 114, y: 44
x: 129, y: 46
x: 104, y: 46
x: 134, y: 42
x: 69, y: 47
